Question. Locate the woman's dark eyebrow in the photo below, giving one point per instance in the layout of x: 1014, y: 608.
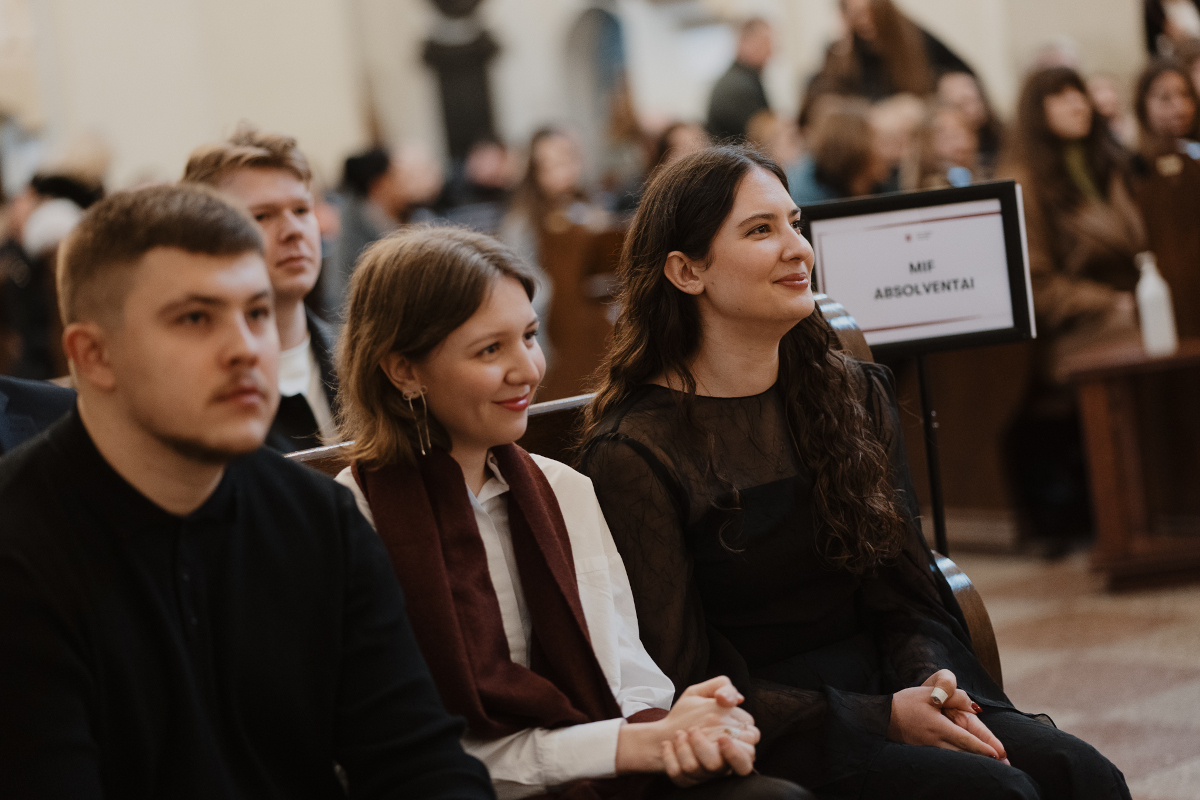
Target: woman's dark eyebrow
x: 765, y: 215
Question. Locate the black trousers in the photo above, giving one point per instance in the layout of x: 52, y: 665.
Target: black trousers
x: 1047, y: 764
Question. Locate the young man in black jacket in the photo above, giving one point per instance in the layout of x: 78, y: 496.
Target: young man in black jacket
x: 268, y: 174
x: 183, y: 613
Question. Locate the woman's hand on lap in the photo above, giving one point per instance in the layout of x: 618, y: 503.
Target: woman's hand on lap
x: 915, y: 720
x: 696, y: 756
x: 961, y: 710
x: 704, y: 736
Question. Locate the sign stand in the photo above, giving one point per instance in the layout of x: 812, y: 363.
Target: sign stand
x: 932, y: 460
x: 923, y: 272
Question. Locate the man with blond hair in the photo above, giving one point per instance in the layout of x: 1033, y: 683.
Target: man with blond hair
x: 183, y: 613
x: 269, y: 175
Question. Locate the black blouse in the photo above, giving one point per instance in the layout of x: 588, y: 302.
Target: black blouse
x: 722, y: 545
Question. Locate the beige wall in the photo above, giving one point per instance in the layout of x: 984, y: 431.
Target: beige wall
x: 157, y: 77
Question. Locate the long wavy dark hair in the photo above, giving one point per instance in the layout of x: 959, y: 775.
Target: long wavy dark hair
x: 1037, y: 149
x: 658, y: 334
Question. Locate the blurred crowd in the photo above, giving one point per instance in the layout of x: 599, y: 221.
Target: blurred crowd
x: 1107, y: 171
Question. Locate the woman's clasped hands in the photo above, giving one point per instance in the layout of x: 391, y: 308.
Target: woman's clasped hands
x: 947, y: 718
x: 705, y: 735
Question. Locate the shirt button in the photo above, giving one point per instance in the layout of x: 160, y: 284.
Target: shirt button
x: 185, y: 576
x: 195, y: 621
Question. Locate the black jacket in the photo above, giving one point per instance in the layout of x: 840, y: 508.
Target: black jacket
x: 294, y: 427
x: 737, y: 96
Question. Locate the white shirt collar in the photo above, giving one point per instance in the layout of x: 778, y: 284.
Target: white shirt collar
x: 295, y: 369
x: 493, y: 486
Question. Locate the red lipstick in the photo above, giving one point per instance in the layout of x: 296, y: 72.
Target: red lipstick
x: 517, y: 403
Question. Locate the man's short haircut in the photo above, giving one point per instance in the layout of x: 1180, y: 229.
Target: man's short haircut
x: 247, y: 148
x: 96, y: 261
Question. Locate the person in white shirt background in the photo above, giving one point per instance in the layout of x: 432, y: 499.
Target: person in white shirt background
x: 270, y: 176
x: 438, y: 363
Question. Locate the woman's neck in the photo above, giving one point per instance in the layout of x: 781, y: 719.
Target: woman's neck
x: 473, y: 463
x: 736, y: 360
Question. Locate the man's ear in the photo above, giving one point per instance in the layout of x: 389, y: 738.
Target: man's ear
x: 86, y: 347
x: 401, y: 373
x: 684, y: 273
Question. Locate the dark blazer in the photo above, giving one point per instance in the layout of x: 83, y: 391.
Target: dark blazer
x: 290, y: 431
x: 29, y: 407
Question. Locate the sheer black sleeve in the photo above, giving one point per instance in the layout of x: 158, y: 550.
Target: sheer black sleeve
x: 917, y: 622
x: 644, y: 506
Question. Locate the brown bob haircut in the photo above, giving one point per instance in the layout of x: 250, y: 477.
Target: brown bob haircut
x: 247, y: 148
x: 96, y: 262
x: 408, y: 293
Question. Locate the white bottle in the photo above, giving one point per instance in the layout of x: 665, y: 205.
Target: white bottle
x: 1154, y: 307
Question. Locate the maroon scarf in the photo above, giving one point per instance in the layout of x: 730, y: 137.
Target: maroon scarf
x: 425, y: 518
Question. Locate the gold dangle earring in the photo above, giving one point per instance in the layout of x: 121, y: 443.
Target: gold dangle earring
x: 425, y: 421
x: 408, y: 398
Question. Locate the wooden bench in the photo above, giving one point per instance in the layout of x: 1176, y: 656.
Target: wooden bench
x: 553, y: 429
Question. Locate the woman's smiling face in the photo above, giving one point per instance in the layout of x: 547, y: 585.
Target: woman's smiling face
x: 758, y: 265
x: 481, y: 379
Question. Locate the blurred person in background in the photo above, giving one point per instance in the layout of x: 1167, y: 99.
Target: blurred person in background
x: 897, y: 122
x: 677, y: 140
x: 949, y: 149
x: 1167, y: 183
x: 776, y: 137
x: 38, y: 219
x: 1166, y: 188
x: 384, y: 189
x: 738, y: 95
x: 1083, y: 232
x: 881, y: 53
x: 549, y: 199
x: 1104, y: 92
x: 372, y: 199
x: 477, y: 196
x: 1187, y: 55
x: 1082, y: 225
x: 269, y: 176
x: 843, y: 159
x: 570, y: 242
x: 963, y: 91
x: 1170, y: 23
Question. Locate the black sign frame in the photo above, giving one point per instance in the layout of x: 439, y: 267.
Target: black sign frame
x: 1016, y: 254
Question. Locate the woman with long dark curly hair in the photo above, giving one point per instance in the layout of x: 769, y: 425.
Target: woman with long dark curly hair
x: 755, y: 482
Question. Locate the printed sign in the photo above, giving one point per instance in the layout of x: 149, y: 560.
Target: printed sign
x: 930, y: 272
